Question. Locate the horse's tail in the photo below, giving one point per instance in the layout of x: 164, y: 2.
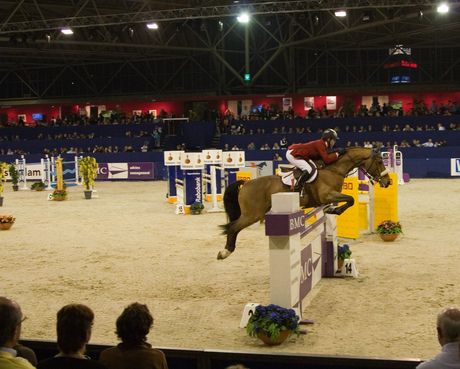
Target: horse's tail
x: 232, y: 206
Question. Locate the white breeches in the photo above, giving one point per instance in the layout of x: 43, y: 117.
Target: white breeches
x: 299, y: 163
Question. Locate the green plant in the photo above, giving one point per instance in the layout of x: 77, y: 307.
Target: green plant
x: 271, y: 320
x: 3, y: 168
x: 88, y: 171
x: 7, y: 219
x: 343, y: 252
x: 37, y: 185
x: 59, y: 193
x: 388, y: 227
x: 197, y: 206
x: 348, y: 107
x: 14, y: 174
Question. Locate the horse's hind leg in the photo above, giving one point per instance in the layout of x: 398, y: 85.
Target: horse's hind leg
x: 232, y: 232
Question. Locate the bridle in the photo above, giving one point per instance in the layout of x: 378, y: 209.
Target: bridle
x: 372, y: 179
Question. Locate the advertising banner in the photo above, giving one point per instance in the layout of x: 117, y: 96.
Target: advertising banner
x: 125, y: 171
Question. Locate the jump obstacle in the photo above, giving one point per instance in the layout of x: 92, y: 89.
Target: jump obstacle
x: 197, y: 176
x: 371, y: 206
x: 302, y: 250
x: 48, y: 172
x: 393, y: 161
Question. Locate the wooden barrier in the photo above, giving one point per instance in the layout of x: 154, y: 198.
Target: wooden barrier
x: 382, y: 204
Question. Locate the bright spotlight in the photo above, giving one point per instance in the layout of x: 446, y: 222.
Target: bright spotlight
x: 340, y: 13
x: 243, y: 18
x: 67, y: 31
x: 443, y: 8
x: 152, y: 26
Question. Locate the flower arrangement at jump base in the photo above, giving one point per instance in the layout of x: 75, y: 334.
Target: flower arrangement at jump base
x: 38, y: 186
x: 389, y: 230
x: 343, y: 252
x: 196, y: 208
x: 59, y: 195
x: 273, y: 324
x: 6, y: 221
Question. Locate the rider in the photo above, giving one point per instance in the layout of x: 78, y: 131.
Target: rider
x: 301, y: 155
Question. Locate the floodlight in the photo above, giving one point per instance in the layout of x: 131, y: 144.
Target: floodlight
x: 243, y: 18
x: 340, y: 13
x: 67, y: 31
x: 152, y: 26
x: 443, y: 8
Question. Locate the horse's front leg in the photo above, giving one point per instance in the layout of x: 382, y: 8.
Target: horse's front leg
x: 336, y: 197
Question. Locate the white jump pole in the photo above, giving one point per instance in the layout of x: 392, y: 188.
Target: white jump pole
x: 215, y: 208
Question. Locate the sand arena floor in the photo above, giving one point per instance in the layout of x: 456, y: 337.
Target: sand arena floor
x: 128, y: 245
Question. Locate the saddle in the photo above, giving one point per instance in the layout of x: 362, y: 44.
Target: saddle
x: 288, y: 169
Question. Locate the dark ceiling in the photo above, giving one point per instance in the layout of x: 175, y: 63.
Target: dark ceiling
x: 200, y: 48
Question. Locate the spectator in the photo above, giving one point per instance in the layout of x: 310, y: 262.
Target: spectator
x: 235, y: 148
x: 276, y: 146
x: 448, y: 328
x: 133, y: 326
x: 74, y: 324
x: 284, y: 143
x: 434, y: 108
x: 277, y: 157
x: 11, y: 319
x: 429, y: 143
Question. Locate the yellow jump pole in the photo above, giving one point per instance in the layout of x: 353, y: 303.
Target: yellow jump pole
x: 59, y: 177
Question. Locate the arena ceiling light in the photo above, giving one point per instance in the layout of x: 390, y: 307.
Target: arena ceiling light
x: 152, y: 26
x: 340, y: 13
x: 243, y: 18
x: 443, y: 8
x: 67, y: 31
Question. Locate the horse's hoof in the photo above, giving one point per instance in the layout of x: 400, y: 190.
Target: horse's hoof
x: 223, y: 255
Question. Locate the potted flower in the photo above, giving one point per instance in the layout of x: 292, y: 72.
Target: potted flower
x: 343, y: 252
x: 3, y: 168
x: 14, y: 175
x: 38, y: 186
x: 6, y: 221
x: 196, y: 208
x: 59, y: 195
x: 88, y: 171
x: 389, y: 230
x: 273, y: 324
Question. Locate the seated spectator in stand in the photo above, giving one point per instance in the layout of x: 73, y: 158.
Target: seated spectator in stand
x: 252, y: 146
x: 265, y: 147
x: 448, y: 328
x: 276, y: 146
x: 235, y: 148
x: 12, y: 355
x: 429, y: 143
x: 74, y: 324
x: 408, y: 128
x: 133, y: 326
x: 277, y: 157
x: 226, y: 147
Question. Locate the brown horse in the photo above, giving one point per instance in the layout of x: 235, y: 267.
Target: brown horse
x: 247, y: 202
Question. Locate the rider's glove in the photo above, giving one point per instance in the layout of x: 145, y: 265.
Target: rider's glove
x: 342, y: 151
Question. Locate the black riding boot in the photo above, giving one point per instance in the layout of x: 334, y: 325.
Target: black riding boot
x: 302, y: 179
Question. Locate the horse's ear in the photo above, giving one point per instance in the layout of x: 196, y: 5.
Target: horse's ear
x: 376, y: 151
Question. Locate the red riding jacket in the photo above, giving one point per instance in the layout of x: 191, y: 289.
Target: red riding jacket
x: 313, y: 150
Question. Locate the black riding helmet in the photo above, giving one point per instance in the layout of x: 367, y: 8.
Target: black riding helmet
x: 329, y: 133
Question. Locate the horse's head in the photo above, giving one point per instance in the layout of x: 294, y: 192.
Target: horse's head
x: 375, y: 168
